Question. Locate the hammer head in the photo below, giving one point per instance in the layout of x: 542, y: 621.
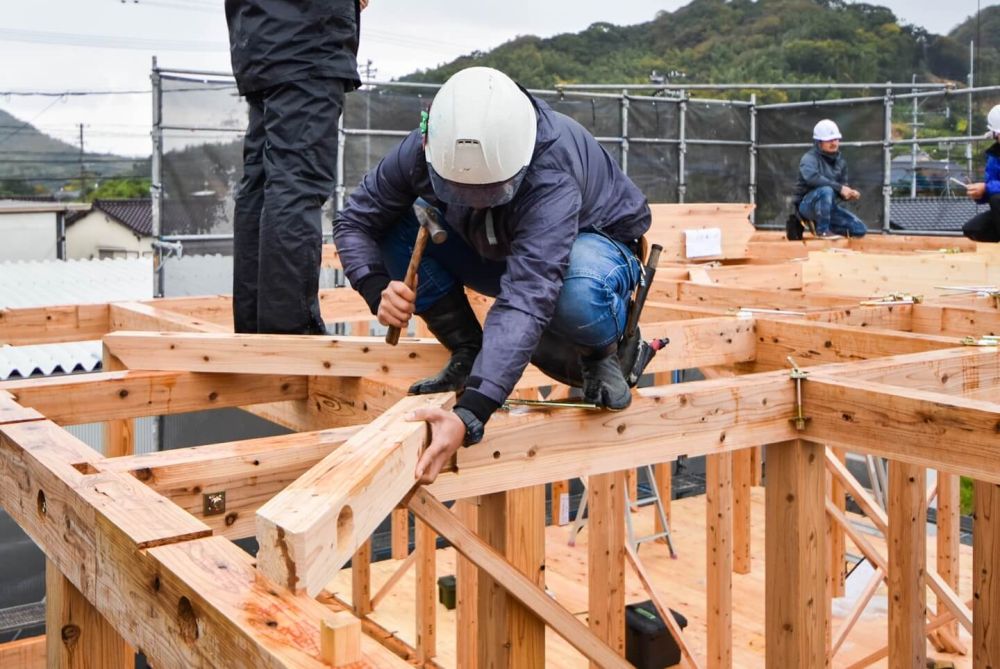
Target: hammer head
x: 427, y: 217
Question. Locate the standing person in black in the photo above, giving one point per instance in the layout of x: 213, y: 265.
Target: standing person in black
x: 293, y: 61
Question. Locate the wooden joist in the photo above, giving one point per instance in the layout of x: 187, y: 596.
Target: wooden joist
x: 47, y: 325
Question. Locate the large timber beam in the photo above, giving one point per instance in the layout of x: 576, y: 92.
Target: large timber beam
x: 905, y: 425
x: 91, y: 398
x: 46, y: 325
x: 736, y: 297
x: 128, y: 549
x: 310, y: 530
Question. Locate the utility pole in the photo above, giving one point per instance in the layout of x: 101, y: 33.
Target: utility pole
x: 913, y: 147
x: 81, y: 162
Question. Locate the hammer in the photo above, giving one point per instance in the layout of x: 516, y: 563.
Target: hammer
x: 429, y: 228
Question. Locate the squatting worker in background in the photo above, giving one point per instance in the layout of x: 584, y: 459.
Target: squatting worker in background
x: 985, y: 227
x: 293, y: 61
x: 538, y: 215
x: 822, y: 185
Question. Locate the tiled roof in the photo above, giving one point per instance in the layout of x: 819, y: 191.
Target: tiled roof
x: 136, y: 214
x: 932, y: 213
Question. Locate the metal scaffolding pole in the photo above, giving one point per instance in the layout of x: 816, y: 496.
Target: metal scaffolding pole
x: 752, y: 189
x: 624, y: 138
x: 887, y: 163
x: 682, y: 150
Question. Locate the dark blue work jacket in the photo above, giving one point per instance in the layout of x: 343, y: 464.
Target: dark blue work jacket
x: 992, y: 178
x: 572, y: 184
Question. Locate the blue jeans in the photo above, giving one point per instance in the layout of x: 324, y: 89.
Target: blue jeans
x: 820, y: 206
x: 592, y: 305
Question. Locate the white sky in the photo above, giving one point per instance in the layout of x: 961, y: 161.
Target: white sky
x: 60, y: 45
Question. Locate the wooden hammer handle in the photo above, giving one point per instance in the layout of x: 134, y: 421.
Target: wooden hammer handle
x: 392, y: 334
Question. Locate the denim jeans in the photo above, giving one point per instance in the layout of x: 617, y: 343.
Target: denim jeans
x: 820, y: 206
x: 592, y: 306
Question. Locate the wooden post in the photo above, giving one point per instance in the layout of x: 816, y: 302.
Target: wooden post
x: 795, y: 557
x: 838, y: 549
x: 719, y: 558
x: 513, y: 523
x: 119, y: 435
x: 985, y: 572
x: 78, y: 636
x: 425, y: 548
x: 606, y: 559
x: 907, y: 542
x: 662, y: 475
x: 525, y: 550
x: 632, y: 484
x: 741, y: 482
x: 949, y: 512
x: 361, y: 580
x: 466, y: 592
x: 559, y: 503
x: 340, y: 639
x: 492, y: 642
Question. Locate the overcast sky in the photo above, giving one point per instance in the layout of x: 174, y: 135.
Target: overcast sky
x: 100, y: 45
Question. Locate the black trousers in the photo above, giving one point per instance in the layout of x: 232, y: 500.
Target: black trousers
x: 289, y: 171
x: 985, y: 227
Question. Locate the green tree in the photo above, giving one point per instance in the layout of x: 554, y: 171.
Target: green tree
x: 125, y: 188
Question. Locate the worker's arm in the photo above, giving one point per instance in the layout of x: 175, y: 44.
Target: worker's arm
x: 812, y: 175
x: 382, y: 197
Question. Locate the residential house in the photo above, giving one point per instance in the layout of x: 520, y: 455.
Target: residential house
x: 111, y: 229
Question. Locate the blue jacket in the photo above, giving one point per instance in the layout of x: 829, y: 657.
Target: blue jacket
x: 571, y: 184
x: 818, y: 169
x: 992, y: 178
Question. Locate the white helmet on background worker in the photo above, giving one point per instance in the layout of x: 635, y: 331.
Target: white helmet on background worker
x: 480, y: 138
x: 825, y: 131
x: 993, y: 121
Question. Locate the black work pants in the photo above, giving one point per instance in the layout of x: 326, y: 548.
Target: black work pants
x: 289, y: 170
x: 985, y: 227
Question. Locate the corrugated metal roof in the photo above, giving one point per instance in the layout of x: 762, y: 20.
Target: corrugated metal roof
x: 56, y: 282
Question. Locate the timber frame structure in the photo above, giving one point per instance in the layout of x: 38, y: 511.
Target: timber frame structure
x: 139, y: 547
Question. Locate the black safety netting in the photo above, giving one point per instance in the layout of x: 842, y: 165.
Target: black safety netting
x: 777, y: 168
x: 652, y: 118
x: 717, y: 172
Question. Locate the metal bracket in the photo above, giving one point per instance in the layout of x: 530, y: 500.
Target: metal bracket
x: 985, y: 340
x: 798, y: 375
x: 893, y: 298
x: 548, y: 404
x: 213, y: 503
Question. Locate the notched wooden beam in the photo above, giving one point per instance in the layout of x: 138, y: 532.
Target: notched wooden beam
x: 310, y: 530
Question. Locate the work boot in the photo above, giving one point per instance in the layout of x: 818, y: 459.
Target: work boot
x: 603, y: 381
x: 453, y: 322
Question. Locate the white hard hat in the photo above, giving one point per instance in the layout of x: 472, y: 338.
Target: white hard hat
x: 825, y: 131
x: 993, y: 120
x: 480, y: 138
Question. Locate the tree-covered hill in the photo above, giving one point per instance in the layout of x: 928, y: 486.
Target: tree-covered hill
x: 729, y: 41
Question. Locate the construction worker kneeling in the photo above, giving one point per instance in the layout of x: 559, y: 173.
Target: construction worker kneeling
x: 537, y: 215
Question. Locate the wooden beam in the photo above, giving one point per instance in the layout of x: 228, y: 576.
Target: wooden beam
x: 26, y: 653
x: 276, y: 354
x: 904, y: 424
x: 985, y: 570
x: 87, y: 398
x: 119, y: 433
x: 400, y: 534
x: 795, y: 609
x: 47, y: 325
x: 742, y: 513
x: 719, y: 558
x: 146, y: 316
x: 686, y: 292
x: 79, y: 637
x: 425, y: 506
x: 349, y: 492
x: 907, y: 541
x: 249, y: 472
x: 811, y: 343
x: 606, y: 559
x: 524, y: 548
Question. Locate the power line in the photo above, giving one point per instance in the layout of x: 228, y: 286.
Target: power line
x: 109, y: 41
